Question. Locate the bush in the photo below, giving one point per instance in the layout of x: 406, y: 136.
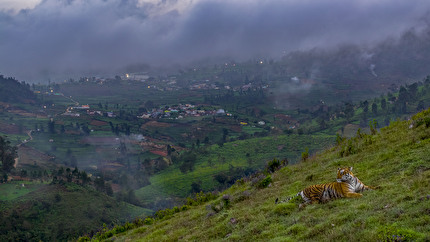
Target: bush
x: 148, y: 221
x: 226, y: 200
x: 265, y: 182
x: 305, y: 155
x: 275, y: 165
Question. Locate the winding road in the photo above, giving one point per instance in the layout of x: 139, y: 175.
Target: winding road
x: 23, y: 142
x: 30, y: 137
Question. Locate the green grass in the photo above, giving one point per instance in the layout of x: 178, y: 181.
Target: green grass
x: 12, y: 190
x: 396, y: 159
x: 250, y: 153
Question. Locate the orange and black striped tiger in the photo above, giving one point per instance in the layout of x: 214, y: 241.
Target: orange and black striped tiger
x: 346, y: 185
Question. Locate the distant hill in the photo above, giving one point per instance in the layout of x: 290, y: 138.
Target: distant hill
x: 396, y: 159
x: 13, y: 91
x: 355, y: 72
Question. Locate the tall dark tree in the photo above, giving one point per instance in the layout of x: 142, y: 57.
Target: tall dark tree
x: 420, y: 105
x: 365, y: 106
x: 51, y: 126
x: 349, y: 111
x: 7, y: 155
x: 403, y: 95
x: 412, y: 90
x: 383, y: 104
x: 374, y: 108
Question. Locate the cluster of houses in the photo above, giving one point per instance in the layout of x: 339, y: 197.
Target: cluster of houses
x: 77, y: 110
x: 181, y: 111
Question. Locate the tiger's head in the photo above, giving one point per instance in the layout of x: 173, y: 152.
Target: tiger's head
x: 344, y: 174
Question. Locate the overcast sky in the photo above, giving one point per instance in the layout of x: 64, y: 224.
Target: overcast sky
x: 61, y: 38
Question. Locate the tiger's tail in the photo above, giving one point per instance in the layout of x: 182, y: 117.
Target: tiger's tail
x: 286, y: 199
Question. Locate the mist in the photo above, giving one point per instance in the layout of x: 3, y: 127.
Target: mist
x: 66, y: 38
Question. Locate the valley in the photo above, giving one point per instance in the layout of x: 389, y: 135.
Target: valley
x: 146, y: 145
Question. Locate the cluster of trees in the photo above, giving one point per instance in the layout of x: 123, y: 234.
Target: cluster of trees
x: 13, y: 91
x: 69, y: 175
x: 123, y: 128
x: 7, y: 157
x: 409, y: 99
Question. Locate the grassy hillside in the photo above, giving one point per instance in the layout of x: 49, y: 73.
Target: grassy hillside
x: 33, y: 211
x: 397, y: 159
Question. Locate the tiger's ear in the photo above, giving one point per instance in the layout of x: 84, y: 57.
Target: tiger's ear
x: 338, y: 168
x: 350, y: 168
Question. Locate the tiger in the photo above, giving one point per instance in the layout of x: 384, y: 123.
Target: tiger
x: 346, y: 185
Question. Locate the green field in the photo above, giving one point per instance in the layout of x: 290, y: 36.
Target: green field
x: 13, y: 190
x: 247, y: 154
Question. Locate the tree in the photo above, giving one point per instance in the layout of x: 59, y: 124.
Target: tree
x: 108, y: 189
x: 383, y: 104
x: 188, y: 160
x: 365, y: 106
x: 169, y: 150
x: 349, y: 111
x: 427, y: 80
x: 403, y: 95
x: 420, y: 105
x: 51, y: 126
x: 305, y: 155
x: 321, y: 122
x: 99, y: 183
x: 7, y: 155
x: 412, y: 90
x: 374, y: 108
x: 86, y: 130
x: 196, y: 187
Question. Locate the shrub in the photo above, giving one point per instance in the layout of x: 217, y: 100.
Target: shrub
x: 226, y: 200
x: 148, y: 221
x: 305, y: 155
x: 339, y: 139
x: 275, y: 165
x: 185, y: 207
x: 265, y: 182
x: 243, y: 196
x: 84, y: 239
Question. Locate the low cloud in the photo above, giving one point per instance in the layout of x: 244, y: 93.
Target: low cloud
x: 65, y: 38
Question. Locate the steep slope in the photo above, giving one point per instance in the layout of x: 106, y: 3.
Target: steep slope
x: 397, y: 159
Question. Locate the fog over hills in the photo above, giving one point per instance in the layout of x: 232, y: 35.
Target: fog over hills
x: 64, y: 38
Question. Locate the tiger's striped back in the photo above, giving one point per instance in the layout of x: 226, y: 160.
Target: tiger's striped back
x: 346, y: 185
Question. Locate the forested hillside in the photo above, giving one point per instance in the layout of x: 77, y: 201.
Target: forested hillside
x: 13, y: 91
x: 396, y: 159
